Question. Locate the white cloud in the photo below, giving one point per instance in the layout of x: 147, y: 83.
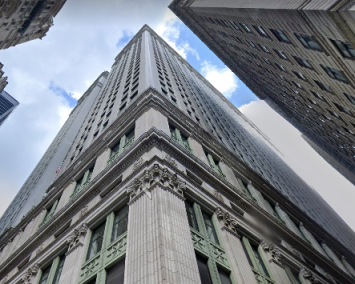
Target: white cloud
x: 169, y: 30
x: 222, y: 79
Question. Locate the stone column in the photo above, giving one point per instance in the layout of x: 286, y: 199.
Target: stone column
x: 159, y: 245
x: 230, y: 176
x: 238, y: 261
x: 101, y: 162
x: 74, y: 256
x: 151, y: 118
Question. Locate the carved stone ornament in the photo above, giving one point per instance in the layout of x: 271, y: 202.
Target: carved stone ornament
x: 218, y: 196
x: 76, y: 237
x: 229, y: 222
x: 170, y: 161
x: 138, y: 163
x: 156, y: 175
x: 305, y: 273
x: 5, y: 279
x: 84, y: 211
x: 40, y: 249
x: 30, y: 274
x: 274, y: 250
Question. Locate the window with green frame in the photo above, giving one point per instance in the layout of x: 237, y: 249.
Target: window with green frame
x: 293, y: 275
x: 49, y: 214
x: 51, y: 274
x: 120, y: 223
x: 256, y: 261
x: 271, y: 207
x: 82, y: 182
x: 179, y: 137
x: 214, y: 164
x: 191, y: 215
x: 210, y: 229
x: 96, y: 240
x: 125, y: 141
x: 107, y: 247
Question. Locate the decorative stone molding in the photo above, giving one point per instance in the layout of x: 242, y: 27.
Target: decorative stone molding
x: 83, y: 211
x: 30, y: 274
x: 273, y: 249
x: 156, y: 175
x: 5, y: 279
x: 305, y: 273
x: 331, y: 279
x: 77, y: 236
x: 40, y: 249
x: 229, y: 222
x: 170, y: 161
x: 218, y: 196
x: 138, y: 163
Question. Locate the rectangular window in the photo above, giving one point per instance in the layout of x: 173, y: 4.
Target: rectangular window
x: 309, y: 42
x: 82, y: 182
x: 52, y: 273
x: 120, y: 223
x: 261, y: 31
x: 59, y: 270
x: 281, y: 54
x: 214, y: 164
x: 280, y: 35
x: 300, y: 75
x: 334, y: 73
x: 205, y: 275
x: 211, y: 232
x: 191, y: 215
x: 179, y: 137
x: 324, y: 86
x: 343, y: 109
x: 235, y: 26
x: 125, y: 141
x: 345, y: 48
x: 246, y: 28
x: 115, y: 274
x: 49, y: 213
x: 264, y: 48
x: 350, y: 98
x: 45, y: 274
x: 303, y: 62
x: 224, y: 276
x: 96, y: 240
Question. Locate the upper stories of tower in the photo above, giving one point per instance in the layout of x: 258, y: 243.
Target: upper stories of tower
x: 148, y: 62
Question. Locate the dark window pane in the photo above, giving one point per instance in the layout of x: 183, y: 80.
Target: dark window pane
x: 120, y: 223
x: 58, y: 272
x: 96, y: 241
x: 44, y: 276
x: 115, y: 274
x: 211, y: 232
x: 191, y: 216
x: 224, y: 276
x: 259, y: 260
x: 203, y: 269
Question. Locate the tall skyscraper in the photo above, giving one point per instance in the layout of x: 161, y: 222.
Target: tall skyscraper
x: 7, y: 105
x: 298, y: 56
x: 3, y: 80
x: 23, y: 21
x: 167, y: 182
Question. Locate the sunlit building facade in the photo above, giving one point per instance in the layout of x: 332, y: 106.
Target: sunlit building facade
x: 167, y: 182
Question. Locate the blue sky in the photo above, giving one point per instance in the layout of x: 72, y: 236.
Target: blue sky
x: 48, y: 76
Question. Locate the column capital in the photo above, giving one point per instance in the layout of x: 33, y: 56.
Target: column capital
x: 30, y: 274
x: 76, y: 237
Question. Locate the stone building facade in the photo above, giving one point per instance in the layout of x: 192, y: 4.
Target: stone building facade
x: 25, y: 20
x: 297, y: 55
x: 7, y: 105
x: 151, y: 192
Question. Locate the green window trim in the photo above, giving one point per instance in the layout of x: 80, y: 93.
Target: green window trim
x: 81, y: 183
x: 180, y: 138
x: 112, y: 250
x: 49, y: 214
x: 52, y: 273
x: 214, y: 165
x: 246, y: 190
x: 257, y: 262
x: 274, y: 213
x: 293, y: 276
x: 125, y: 141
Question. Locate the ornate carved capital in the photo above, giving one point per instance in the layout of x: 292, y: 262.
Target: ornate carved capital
x: 170, y: 161
x: 84, y: 211
x: 273, y: 249
x: 76, y: 236
x: 138, y: 163
x: 229, y: 222
x: 218, y: 196
x: 305, y: 273
x: 30, y: 274
x: 156, y: 175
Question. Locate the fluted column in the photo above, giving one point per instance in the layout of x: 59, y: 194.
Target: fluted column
x: 101, y: 162
x: 159, y: 246
x: 74, y: 256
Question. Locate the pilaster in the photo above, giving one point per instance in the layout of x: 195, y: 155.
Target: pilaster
x: 66, y: 194
x: 159, y: 246
x: 198, y: 150
x: 151, y: 118
x: 289, y: 223
x: 74, y: 255
x: 101, y: 162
